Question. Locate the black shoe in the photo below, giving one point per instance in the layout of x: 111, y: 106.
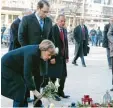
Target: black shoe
x: 111, y: 89
x: 57, y: 98
x: 39, y: 104
x: 84, y: 65
x: 75, y: 63
x: 30, y: 100
x: 63, y: 95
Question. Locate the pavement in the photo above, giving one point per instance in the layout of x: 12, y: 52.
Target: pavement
x: 93, y: 80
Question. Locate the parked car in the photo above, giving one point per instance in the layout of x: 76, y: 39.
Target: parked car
x: 6, y: 37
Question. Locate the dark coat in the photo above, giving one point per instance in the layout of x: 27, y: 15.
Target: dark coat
x: 16, y: 71
x: 105, y: 38
x: 79, y: 47
x: 14, y: 35
x: 59, y: 69
x: 30, y: 33
x: 110, y: 40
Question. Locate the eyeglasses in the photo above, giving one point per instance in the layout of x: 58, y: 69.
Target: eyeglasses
x: 44, y: 11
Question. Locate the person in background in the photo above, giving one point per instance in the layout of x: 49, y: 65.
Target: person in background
x: 98, y: 37
x: 93, y: 35
x: 34, y: 29
x: 14, y: 30
x: 105, y: 41
x: 110, y: 42
x: 14, y: 80
x: 81, y: 41
x: 2, y: 31
x: 58, y: 36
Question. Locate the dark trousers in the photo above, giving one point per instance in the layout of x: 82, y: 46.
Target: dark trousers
x: 61, y: 84
x: 112, y: 69
x: 22, y: 103
x: 108, y: 57
x: 38, y: 81
x: 82, y: 55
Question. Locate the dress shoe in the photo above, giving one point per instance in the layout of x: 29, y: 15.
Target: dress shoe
x: 39, y: 104
x: 63, y: 95
x: 57, y: 98
x: 75, y: 63
x: 111, y: 89
x: 84, y: 65
x: 30, y: 100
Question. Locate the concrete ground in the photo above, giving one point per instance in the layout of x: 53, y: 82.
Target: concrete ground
x: 93, y: 80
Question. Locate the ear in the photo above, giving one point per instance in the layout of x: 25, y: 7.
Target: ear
x: 57, y: 50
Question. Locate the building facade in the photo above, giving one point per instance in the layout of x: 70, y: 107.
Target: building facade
x: 95, y: 12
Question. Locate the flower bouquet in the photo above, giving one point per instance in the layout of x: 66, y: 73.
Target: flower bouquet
x: 49, y: 91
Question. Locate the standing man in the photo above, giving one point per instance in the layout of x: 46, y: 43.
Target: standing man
x: 14, y: 31
x: 98, y: 37
x: 32, y: 30
x: 57, y: 65
x: 110, y: 40
x: 92, y: 36
x: 105, y: 41
x: 81, y: 42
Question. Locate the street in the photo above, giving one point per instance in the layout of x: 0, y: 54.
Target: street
x: 93, y: 80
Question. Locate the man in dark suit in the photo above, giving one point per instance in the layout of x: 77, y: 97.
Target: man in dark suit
x: 33, y: 29
x: 81, y: 42
x: 14, y: 31
x: 105, y: 42
x: 57, y: 65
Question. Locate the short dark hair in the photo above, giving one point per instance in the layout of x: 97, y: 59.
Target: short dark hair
x: 60, y: 15
x: 41, y: 3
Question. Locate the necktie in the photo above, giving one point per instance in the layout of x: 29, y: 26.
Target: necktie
x: 83, y: 32
x: 62, y: 39
x: 41, y: 24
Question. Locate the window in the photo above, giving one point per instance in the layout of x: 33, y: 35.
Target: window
x: 9, y: 18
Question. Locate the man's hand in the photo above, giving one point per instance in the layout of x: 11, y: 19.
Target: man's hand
x: 37, y: 94
x: 52, y: 61
x: 67, y: 60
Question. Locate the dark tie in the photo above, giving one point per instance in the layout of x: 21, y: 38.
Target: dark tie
x: 83, y: 32
x: 41, y: 23
x: 62, y: 39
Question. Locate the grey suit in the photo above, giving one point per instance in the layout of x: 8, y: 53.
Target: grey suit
x: 110, y: 39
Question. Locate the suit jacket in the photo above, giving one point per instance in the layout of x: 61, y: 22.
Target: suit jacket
x: 16, y: 71
x: 14, y: 35
x: 110, y: 40
x: 79, y: 41
x: 59, y: 69
x: 105, y: 38
x: 30, y: 31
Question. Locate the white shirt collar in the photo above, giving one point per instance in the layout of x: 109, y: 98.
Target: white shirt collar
x: 38, y: 18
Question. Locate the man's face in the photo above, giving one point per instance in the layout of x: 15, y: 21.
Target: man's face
x: 43, y: 12
x: 61, y: 21
x: 82, y: 22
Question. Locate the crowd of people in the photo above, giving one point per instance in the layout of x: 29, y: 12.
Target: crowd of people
x: 33, y: 60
